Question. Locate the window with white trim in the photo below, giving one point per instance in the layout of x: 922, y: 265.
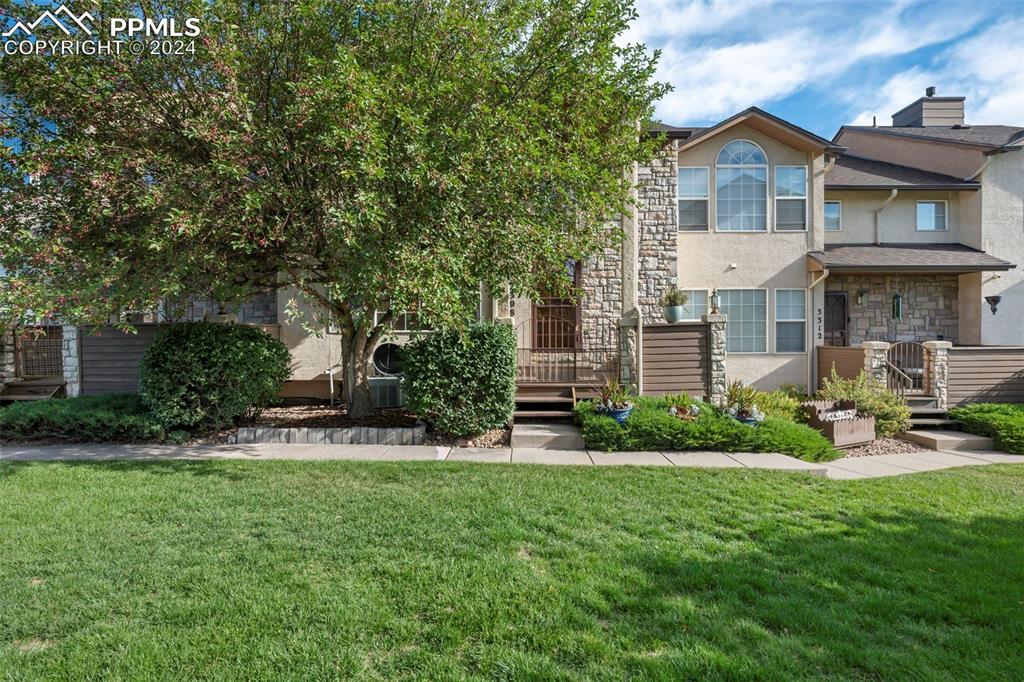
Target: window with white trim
x: 932, y: 216
x: 403, y: 320
x: 747, y: 326
x: 741, y: 188
x: 790, y: 320
x: 791, y: 198
x: 692, y: 198
x: 833, y: 216
x: 696, y: 304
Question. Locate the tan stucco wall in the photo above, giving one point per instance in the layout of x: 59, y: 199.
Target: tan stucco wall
x: 958, y: 160
x: 1003, y: 237
x: 898, y: 219
x: 764, y: 260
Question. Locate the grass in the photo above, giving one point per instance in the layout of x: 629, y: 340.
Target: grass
x: 278, y: 570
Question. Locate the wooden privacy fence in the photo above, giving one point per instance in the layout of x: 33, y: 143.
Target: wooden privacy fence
x: 848, y: 362
x: 989, y: 374
x: 110, y: 359
x: 675, y: 358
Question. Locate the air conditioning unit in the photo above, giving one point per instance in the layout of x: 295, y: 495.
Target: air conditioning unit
x: 386, y: 392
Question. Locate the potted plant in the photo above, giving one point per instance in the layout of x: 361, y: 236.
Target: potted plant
x: 613, y: 400
x: 672, y: 302
x: 740, y: 405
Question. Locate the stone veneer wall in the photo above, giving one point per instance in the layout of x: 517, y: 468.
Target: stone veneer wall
x: 260, y: 309
x: 930, y: 307
x: 602, y: 300
x: 8, y: 369
x: 658, y: 231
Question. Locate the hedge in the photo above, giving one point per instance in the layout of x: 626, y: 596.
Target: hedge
x: 115, y: 418
x: 1003, y: 422
x: 462, y: 384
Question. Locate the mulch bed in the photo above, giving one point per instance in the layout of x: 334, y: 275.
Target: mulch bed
x: 325, y: 417
x: 885, y: 446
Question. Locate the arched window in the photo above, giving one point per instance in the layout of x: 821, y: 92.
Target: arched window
x: 741, y: 184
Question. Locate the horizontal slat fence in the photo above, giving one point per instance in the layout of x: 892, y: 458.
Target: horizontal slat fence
x: 987, y: 374
x: 848, y: 362
x: 110, y: 359
x: 675, y: 359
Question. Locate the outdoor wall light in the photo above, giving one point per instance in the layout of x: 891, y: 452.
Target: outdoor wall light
x: 993, y: 301
x: 897, y: 307
x: 860, y: 297
x: 715, y: 301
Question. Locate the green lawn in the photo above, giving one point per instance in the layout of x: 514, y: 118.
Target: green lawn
x: 246, y: 570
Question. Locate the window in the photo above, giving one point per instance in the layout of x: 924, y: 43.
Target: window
x: 747, y: 327
x: 790, y: 320
x: 741, y: 185
x: 403, y: 321
x: 693, y: 199
x: 931, y: 216
x: 833, y: 216
x: 696, y: 304
x: 791, y: 198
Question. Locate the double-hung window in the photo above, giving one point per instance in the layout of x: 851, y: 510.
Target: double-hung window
x: 791, y: 198
x: 741, y: 188
x: 931, y: 216
x: 833, y: 216
x: 692, y: 198
x: 747, y: 327
x: 790, y: 320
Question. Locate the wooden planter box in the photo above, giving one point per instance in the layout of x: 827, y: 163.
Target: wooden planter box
x: 843, y: 432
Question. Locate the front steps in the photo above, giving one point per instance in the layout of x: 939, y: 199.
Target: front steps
x: 550, y: 436
x: 549, y: 400
x: 925, y: 415
x: 947, y: 440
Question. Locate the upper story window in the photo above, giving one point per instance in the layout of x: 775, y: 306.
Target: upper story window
x: 791, y: 198
x: 932, y: 216
x: 692, y: 198
x: 833, y: 216
x: 741, y: 185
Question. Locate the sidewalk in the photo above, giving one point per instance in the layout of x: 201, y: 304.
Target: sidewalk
x: 847, y: 468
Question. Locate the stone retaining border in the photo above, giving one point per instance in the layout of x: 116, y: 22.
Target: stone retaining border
x: 355, y: 435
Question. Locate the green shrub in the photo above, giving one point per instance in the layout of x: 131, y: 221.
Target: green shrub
x: 781, y: 404
x: 1003, y: 422
x: 651, y: 427
x: 117, y: 418
x: 201, y: 375
x: 873, y: 399
x: 465, y: 384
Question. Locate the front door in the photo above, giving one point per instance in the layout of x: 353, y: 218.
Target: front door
x: 835, y: 319
x: 556, y: 320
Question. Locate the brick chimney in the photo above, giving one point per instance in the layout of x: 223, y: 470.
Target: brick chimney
x: 944, y: 112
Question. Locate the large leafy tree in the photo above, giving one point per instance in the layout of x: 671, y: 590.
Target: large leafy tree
x: 366, y: 154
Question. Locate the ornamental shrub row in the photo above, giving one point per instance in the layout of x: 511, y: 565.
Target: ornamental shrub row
x: 115, y: 418
x: 1003, y: 422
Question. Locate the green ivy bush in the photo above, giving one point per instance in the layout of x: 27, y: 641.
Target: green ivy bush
x: 114, y: 418
x: 1003, y: 422
x: 201, y: 375
x: 462, y: 384
x: 873, y: 399
x: 651, y: 427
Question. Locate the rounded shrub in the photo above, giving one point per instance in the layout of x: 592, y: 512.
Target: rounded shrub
x: 202, y: 375
x: 462, y: 384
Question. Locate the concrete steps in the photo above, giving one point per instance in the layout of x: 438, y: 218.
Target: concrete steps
x: 947, y: 440
x: 547, y: 436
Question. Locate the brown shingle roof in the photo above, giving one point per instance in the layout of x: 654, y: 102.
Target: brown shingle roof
x: 907, y: 257
x: 983, y: 135
x: 854, y: 172
x: 672, y: 132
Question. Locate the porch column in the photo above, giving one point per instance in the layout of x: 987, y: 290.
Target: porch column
x: 629, y: 360
x: 8, y: 369
x: 876, y: 360
x: 716, y: 358
x: 936, y: 370
x: 69, y: 357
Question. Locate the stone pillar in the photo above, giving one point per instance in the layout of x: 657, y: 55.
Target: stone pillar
x: 8, y: 367
x: 876, y: 360
x: 629, y: 360
x: 69, y: 356
x: 936, y: 370
x: 716, y: 351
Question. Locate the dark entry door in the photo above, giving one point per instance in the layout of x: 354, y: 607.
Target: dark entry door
x: 835, y: 319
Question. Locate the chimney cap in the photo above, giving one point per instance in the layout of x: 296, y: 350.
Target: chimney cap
x: 929, y: 91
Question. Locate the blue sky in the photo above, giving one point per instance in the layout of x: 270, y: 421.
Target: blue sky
x: 823, y: 63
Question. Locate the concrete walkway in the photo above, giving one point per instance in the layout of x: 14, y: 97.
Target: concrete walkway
x: 849, y: 468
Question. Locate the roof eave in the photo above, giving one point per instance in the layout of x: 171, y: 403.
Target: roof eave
x: 917, y: 269
x: 972, y: 187
x: 910, y: 136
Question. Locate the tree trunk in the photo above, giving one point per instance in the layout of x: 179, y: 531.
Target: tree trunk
x: 355, y: 353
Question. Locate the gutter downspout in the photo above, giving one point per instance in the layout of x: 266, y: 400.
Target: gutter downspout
x: 812, y: 366
x: 878, y: 215
x: 979, y: 171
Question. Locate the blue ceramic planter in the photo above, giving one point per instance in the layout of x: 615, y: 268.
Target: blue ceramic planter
x: 619, y: 415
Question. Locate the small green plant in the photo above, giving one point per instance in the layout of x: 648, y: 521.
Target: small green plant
x: 741, y: 401
x: 781, y: 404
x: 673, y: 297
x: 872, y: 398
x: 613, y: 395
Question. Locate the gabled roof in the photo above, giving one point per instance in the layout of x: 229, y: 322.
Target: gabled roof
x: 989, y: 136
x: 758, y: 119
x: 855, y: 172
x: 888, y: 258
